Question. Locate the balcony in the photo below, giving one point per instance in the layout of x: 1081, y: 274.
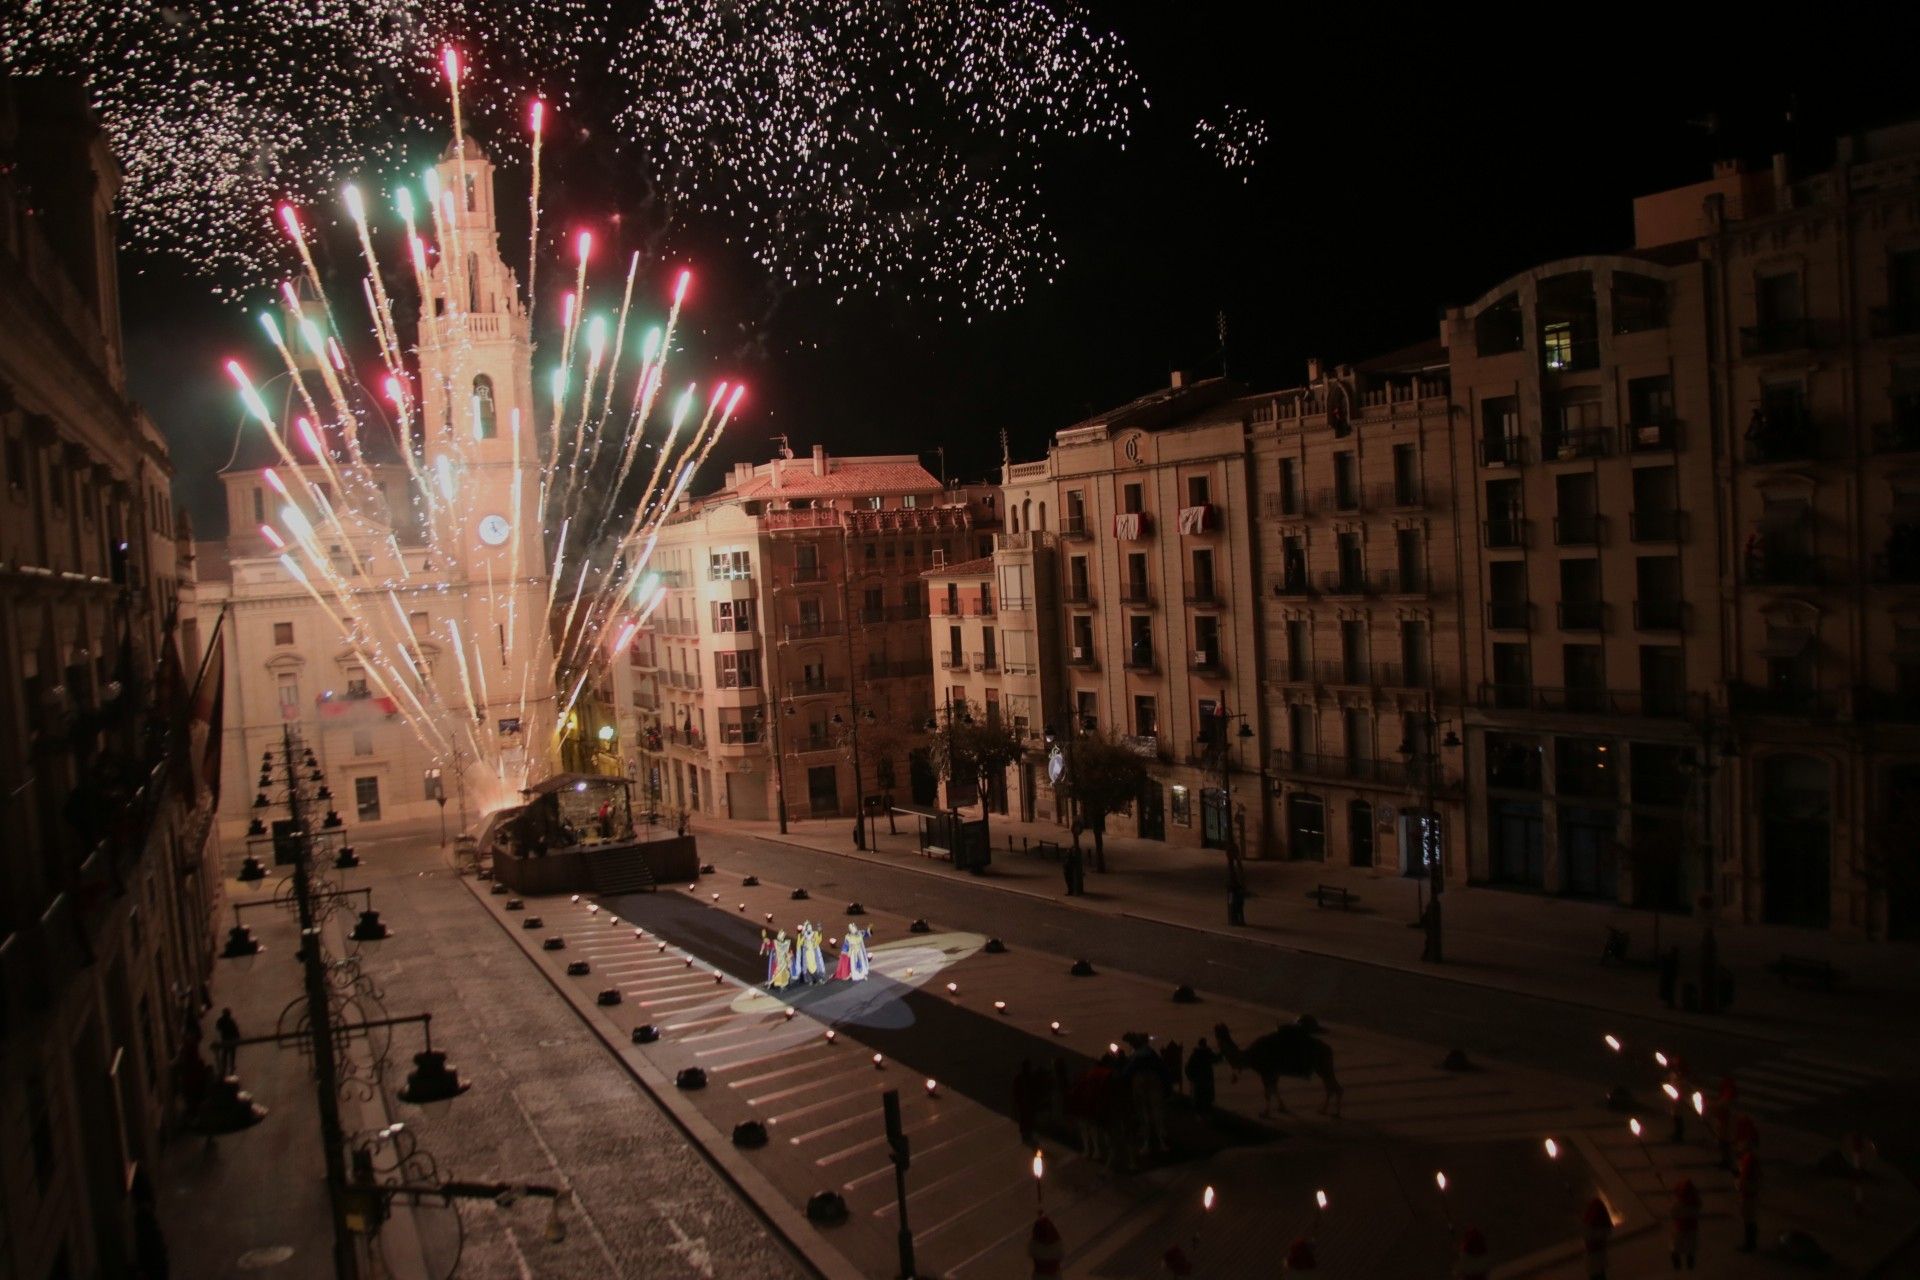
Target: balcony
x: 1016, y: 604
x: 816, y: 687
x: 1397, y: 495
x: 1503, y: 451
x: 1660, y: 615
x: 1656, y: 526
x: 1777, y: 568
x: 1205, y: 662
x: 1340, y: 498
x: 894, y: 613
x: 1782, y: 700
x: 953, y: 659
x: 1348, y: 674
x: 1579, y: 531
x: 899, y: 669
x: 1145, y: 745
x: 1408, y: 580
x: 1285, y: 506
x: 1140, y: 659
x: 806, y: 573
x: 1200, y: 595
x: 1137, y: 593
x: 645, y: 700
x: 1590, y: 700
x: 1073, y: 526
x: 672, y: 577
x: 1308, y: 764
x: 1776, y: 336
x: 1288, y: 671
x: 685, y: 680
x: 1582, y: 615
x: 1505, y: 533
x: 1650, y: 437
x: 1349, y: 582
x: 1897, y: 437
x: 1510, y: 615
x: 747, y: 734
x: 1886, y: 706
x: 1398, y: 675
x: 735, y: 680
x: 1081, y: 658
x: 1895, y: 321
x: 819, y: 629
x: 730, y: 573
x: 1575, y: 443
x: 1590, y: 783
x: 813, y: 740
x: 1294, y: 585
x: 1781, y: 437
x: 986, y: 661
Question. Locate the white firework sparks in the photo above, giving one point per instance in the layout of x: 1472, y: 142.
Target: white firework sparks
x: 1234, y: 137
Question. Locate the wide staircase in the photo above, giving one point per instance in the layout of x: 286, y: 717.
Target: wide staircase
x: 618, y: 871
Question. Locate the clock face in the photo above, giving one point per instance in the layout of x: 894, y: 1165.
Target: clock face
x: 494, y: 530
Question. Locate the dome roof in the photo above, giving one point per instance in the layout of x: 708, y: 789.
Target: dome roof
x: 473, y: 149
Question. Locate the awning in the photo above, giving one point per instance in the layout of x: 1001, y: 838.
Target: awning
x: 1786, y: 642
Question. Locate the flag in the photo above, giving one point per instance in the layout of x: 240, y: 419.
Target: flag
x: 205, y: 715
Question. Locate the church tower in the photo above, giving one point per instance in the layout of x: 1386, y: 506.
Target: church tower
x: 480, y: 446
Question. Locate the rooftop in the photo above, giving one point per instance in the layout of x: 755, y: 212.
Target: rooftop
x: 977, y: 568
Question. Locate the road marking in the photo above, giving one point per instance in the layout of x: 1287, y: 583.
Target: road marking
x: 862, y: 1097
x: 887, y: 1168
x: 778, y: 1094
x: 750, y: 1081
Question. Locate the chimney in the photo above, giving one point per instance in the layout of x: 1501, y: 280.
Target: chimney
x: 1313, y: 369
x: 820, y: 460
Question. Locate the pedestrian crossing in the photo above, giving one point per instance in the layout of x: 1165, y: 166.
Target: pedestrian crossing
x: 769, y: 1058
x: 1793, y: 1081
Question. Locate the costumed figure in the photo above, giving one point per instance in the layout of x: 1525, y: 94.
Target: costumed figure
x: 813, y: 968
x: 843, y: 970
x: 766, y: 949
x: 856, y: 947
x: 782, y: 961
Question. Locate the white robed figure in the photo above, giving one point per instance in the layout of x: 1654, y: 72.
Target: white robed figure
x: 813, y: 966
x: 854, y: 947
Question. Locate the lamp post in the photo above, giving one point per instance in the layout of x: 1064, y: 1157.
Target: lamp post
x: 853, y: 686
x: 1218, y: 742
x: 1424, y: 755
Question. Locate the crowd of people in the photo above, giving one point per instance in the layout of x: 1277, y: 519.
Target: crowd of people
x: 800, y: 960
x: 1117, y: 1107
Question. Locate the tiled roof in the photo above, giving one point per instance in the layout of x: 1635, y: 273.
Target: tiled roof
x: 845, y: 478
x: 965, y: 569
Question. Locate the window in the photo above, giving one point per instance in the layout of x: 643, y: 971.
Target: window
x: 1512, y: 676
x: 728, y: 565
x: 1353, y: 652
x: 1413, y: 654
x: 1663, y: 680
x: 418, y: 624
x: 1406, y: 475
x: 485, y: 426
x: 356, y: 682
x: 1131, y: 499
x: 1182, y: 806
x: 1500, y: 431
x: 1082, y: 649
x: 1140, y: 642
x: 1202, y: 588
x: 1352, y: 570
x: 1289, y: 486
x: 1146, y: 716
x: 283, y: 633
x: 1650, y: 401
x: 289, y: 689
x: 1086, y: 705
x: 1346, y: 481
x: 737, y: 670
x: 1639, y: 303
x: 1206, y: 640
x: 366, y: 798
x: 1409, y: 555
x: 1293, y: 564
x: 733, y: 615
x: 363, y: 742
x: 1077, y: 585
x: 1076, y: 516
x: 1199, y: 491
x: 1298, y: 653
x: 16, y: 464
x: 1137, y: 577
x: 1500, y: 328
x: 1778, y: 298
x: 57, y: 482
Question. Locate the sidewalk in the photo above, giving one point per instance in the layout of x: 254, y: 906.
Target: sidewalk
x: 1508, y: 940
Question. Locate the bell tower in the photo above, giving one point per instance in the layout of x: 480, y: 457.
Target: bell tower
x: 480, y: 449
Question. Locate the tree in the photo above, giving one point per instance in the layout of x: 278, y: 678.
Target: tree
x: 965, y: 743
x: 1103, y: 777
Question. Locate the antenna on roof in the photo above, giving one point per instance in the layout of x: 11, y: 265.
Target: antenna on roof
x: 786, y: 449
x: 1006, y: 454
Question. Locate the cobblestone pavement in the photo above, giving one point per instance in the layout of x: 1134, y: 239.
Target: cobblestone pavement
x: 547, y: 1105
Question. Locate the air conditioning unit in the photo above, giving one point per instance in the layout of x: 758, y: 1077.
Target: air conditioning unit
x: 1079, y: 653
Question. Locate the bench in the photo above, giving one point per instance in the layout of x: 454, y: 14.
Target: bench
x: 1819, y: 971
x: 1344, y: 897
x: 1048, y: 849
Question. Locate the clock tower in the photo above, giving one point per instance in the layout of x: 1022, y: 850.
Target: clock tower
x: 482, y: 460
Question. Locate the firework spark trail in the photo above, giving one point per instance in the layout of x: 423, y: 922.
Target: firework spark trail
x: 613, y: 365
x: 536, y: 117
x: 596, y: 351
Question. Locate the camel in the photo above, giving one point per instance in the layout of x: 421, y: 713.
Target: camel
x: 1291, y: 1051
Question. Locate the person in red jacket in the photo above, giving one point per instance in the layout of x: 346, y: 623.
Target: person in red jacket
x: 1596, y: 1224
x: 1685, y: 1216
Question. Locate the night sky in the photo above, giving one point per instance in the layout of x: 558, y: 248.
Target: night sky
x: 1398, y: 179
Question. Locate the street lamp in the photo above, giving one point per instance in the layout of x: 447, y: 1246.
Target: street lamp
x: 1716, y: 745
x: 1424, y: 754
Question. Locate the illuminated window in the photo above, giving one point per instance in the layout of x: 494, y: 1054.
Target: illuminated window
x: 1556, y: 340
x: 1182, y: 807
x: 485, y: 425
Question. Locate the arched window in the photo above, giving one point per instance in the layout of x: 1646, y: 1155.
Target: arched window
x: 473, y: 282
x: 1043, y: 517
x: 485, y: 425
